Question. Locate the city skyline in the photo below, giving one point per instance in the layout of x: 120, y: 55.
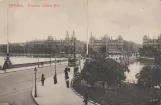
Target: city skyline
x: 129, y: 18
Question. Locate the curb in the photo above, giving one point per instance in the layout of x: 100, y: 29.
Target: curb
x: 30, y: 69
x: 80, y: 94
x: 32, y: 93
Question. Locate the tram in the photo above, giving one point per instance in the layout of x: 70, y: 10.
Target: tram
x: 71, y: 62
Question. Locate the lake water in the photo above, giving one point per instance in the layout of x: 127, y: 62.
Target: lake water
x: 134, y: 69
x: 24, y: 59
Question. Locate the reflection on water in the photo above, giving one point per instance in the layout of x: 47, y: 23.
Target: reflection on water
x: 134, y: 69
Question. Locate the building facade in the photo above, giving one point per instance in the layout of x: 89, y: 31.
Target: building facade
x: 152, y: 42
x: 112, y: 46
x: 49, y: 46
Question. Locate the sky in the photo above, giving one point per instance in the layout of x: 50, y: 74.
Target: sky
x: 131, y: 19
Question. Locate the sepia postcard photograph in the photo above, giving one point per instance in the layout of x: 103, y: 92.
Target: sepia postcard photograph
x: 80, y: 52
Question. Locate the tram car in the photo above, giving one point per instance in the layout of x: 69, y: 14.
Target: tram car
x: 71, y: 62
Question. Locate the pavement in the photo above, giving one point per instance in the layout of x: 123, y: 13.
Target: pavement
x: 16, y: 87
x: 57, y: 94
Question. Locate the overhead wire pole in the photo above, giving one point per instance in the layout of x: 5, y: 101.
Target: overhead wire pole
x: 50, y: 51
x: 87, y: 29
x: 7, y: 62
x: 7, y: 35
x: 92, y: 43
x: 74, y: 52
x: 106, y: 43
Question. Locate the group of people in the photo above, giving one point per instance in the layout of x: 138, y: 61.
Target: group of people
x: 67, y: 76
x: 67, y: 83
x: 55, y: 78
x: 43, y: 79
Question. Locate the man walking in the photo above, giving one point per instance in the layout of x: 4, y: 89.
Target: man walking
x: 55, y: 79
x: 67, y: 83
x: 42, y: 79
x: 66, y: 74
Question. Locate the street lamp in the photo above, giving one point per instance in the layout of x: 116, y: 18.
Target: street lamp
x: 80, y: 64
x: 55, y: 76
x: 50, y: 53
x: 35, y: 71
x: 38, y: 61
x: 60, y: 57
x: 50, y: 59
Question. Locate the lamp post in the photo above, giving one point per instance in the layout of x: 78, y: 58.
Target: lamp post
x: 60, y: 57
x: 80, y: 64
x: 50, y: 51
x: 38, y: 60
x: 50, y: 59
x: 35, y: 71
x: 55, y: 66
x: 55, y: 75
x: 74, y: 52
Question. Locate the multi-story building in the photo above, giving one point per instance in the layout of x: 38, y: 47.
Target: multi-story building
x: 50, y: 45
x: 63, y: 45
x: 112, y: 46
x: 152, y: 42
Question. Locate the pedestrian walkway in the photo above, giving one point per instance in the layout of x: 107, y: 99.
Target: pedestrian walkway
x: 57, y: 94
x: 27, y: 68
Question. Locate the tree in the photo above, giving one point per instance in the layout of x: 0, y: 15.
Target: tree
x: 150, y: 78
x: 92, y: 52
x: 104, y: 70
x: 102, y: 50
x: 89, y: 73
x: 149, y: 51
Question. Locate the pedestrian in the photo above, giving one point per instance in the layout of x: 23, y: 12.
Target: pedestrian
x: 66, y: 77
x: 86, y: 98
x: 67, y: 83
x: 42, y: 79
x: 68, y: 69
x: 66, y: 73
x: 42, y: 64
x: 55, y: 79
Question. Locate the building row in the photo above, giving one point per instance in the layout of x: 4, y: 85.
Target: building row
x: 53, y: 45
x: 152, y: 42
x: 112, y: 46
x: 47, y: 46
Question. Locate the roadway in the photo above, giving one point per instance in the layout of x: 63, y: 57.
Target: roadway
x: 16, y: 87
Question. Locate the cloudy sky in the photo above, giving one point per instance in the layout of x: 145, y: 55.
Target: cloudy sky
x: 130, y: 18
